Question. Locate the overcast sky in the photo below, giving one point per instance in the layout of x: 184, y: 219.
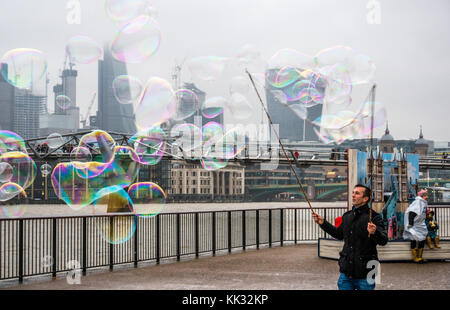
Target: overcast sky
x: 410, y: 46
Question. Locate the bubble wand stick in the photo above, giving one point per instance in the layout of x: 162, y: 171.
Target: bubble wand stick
x: 279, y: 141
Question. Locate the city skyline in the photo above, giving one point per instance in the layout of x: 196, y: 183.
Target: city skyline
x: 408, y: 46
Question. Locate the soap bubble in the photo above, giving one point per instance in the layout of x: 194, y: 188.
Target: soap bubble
x: 137, y: 40
x: 83, y: 50
x: 46, y: 169
x: 125, y: 10
x: 81, y: 154
x: 187, y: 104
x: 54, y: 140
x: 148, y: 198
x: 127, y: 89
x: 6, y: 172
x: 157, y: 104
x: 11, y: 141
x: 149, y: 145
x: 13, y: 200
x: 64, y: 102
x: 23, y: 167
x: 26, y: 66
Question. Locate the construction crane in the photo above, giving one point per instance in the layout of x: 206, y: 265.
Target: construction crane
x: 83, y: 121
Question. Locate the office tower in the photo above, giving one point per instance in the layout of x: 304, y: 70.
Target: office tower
x: 6, y: 100
x: 28, y: 108
x: 112, y: 116
x: 291, y: 126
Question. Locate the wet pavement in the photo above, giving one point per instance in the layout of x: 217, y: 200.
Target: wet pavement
x: 292, y: 267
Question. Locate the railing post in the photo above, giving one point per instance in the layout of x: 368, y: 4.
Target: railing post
x: 229, y: 231
x: 111, y: 244
x: 270, y: 228
x: 196, y: 235
x: 243, y: 230
x: 84, y: 245
x: 178, y: 237
x: 157, y: 239
x: 214, y: 233
x: 20, y: 250
x: 54, y: 254
x: 281, y: 227
x: 136, y: 241
x: 257, y: 229
x: 295, y: 225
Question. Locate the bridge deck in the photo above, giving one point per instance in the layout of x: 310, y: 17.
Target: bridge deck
x: 291, y: 267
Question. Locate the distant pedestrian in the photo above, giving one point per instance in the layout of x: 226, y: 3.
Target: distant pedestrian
x: 415, y: 227
x: 432, y: 227
x: 361, y: 237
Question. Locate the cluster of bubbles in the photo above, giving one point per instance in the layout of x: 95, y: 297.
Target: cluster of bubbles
x: 17, y: 173
x: 300, y: 82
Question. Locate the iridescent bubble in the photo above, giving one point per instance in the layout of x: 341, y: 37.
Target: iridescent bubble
x: 26, y: 66
x: 72, y: 181
x: 13, y: 200
x: 99, y: 142
x: 280, y: 78
x: 54, y: 140
x: 137, y: 40
x: 24, y: 168
x: 339, y: 84
x: 6, y: 172
x: 213, y: 106
x: 187, y: 104
x: 46, y: 169
x: 81, y: 154
x: 125, y: 10
x: 187, y: 136
x: 157, y: 104
x: 360, y: 67
x: 11, y: 142
x: 240, y: 107
x: 231, y: 144
x: 63, y: 101
x: 148, y: 198
x: 208, y: 68
x: 212, y: 132
x: 127, y: 89
x: 83, y: 50
x: 149, y: 145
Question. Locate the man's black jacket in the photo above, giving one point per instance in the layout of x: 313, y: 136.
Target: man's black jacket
x: 358, y: 247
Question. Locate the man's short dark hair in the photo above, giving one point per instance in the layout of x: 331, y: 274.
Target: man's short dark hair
x: 367, y: 190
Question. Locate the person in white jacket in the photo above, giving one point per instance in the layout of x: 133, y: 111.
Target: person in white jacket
x: 415, y: 227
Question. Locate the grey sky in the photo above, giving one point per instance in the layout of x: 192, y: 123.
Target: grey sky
x: 410, y: 47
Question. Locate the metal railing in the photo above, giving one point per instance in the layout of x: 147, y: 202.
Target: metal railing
x: 39, y: 246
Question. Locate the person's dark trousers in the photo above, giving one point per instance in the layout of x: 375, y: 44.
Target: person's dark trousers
x: 345, y: 283
x: 419, y: 245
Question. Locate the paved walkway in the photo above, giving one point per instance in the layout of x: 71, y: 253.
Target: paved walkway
x: 293, y: 267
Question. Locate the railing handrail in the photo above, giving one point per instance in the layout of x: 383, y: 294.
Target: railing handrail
x: 168, y: 213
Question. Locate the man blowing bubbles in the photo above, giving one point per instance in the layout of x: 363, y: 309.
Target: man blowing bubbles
x: 361, y: 237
